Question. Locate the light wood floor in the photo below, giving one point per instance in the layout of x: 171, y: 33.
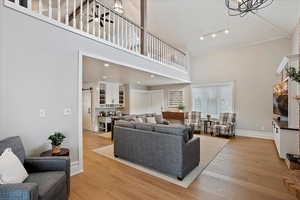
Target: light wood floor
x: 245, y: 169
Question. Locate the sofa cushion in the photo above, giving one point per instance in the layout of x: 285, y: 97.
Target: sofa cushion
x: 16, y: 146
x: 49, y: 183
x: 139, y: 120
x: 124, y: 123
x: 151, y: 120
x: 159, y: 119
x: 149, y: 115
x: 145, y: 126
x: 173, y: 130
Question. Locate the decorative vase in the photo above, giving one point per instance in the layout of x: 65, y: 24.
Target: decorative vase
x: 180, y: 110
x: 56, y: 149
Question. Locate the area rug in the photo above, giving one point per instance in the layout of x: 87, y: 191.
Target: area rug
x: 209, y: 148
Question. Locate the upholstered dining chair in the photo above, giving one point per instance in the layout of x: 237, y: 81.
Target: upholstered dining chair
x: 49, y: 177
x: 194, y: 120
x: 225, y: 125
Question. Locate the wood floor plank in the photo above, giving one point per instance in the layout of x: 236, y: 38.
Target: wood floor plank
x: 246, y: 168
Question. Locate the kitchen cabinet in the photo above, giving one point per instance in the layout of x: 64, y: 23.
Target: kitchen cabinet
x: 111, y: 95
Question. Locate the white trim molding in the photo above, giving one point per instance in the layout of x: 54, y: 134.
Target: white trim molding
x: 255, y: 134
x: 75, y: 168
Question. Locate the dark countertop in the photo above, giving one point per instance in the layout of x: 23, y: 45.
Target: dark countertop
x: 284, y: 125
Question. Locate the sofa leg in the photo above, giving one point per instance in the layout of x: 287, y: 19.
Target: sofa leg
x: 179, y: 178
x: 116, y: 156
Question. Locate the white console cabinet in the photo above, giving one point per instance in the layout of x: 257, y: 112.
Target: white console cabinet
x: 286, y: 140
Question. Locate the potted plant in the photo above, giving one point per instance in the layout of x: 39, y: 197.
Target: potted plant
x: 293, y: 74
x: 208, y: 117
x: 56, y: 140
x: 181, y: 107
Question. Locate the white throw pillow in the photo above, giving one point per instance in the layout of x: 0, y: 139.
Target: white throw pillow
x: 12, y: 170
x: 151, y: 120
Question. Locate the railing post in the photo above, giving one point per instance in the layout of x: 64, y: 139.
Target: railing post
x: 143, y: 26
x: 58, y: 11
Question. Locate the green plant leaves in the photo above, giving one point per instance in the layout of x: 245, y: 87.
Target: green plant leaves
x: 57, y: 138
x: 293, y: 74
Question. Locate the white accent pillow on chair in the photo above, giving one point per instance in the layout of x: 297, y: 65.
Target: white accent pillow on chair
x: 12, y: 170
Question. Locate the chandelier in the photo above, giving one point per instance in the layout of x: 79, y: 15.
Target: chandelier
x: 118, y: 7
x: 243, y: 7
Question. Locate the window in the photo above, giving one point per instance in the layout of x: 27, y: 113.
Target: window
x: 175, y: 97
x: 213, y: 99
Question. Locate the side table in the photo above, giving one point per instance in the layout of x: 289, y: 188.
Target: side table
x: 206, y: 122
x: 63, y: 152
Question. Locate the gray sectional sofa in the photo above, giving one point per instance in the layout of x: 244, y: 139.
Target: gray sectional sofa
x: 169, y: 149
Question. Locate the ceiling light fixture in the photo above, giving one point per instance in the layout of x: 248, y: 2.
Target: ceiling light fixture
x: 152, y: 76
x: 106, y: 65
x: 243, y: 7
x: 118, y: 7
x: 215, y: 34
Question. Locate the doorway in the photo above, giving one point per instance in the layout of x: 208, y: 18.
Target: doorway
x: 87, y: 109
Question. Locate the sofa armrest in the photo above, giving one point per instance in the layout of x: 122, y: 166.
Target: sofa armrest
x: 191, y: 154
x: 22, y: 191
x: 43, y: 164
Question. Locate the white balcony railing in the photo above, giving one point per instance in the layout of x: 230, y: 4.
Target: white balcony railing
x: 102, y: 23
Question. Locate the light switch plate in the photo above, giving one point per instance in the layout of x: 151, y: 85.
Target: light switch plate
x: 67, y: 111
x: 42, y: 113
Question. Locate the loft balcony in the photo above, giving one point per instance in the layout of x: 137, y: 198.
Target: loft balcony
x: 92, y: 19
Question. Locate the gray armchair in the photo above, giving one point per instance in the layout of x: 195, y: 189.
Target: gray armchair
x: 49, y: 177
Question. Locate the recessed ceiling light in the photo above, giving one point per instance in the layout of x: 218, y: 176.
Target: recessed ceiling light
x: 106, y: 65
x: 226, y: 31
x: 152, y: 76
x: 104, y: 77
x: 213, y: 35
x: 201, y: 38
x: 138, y: 82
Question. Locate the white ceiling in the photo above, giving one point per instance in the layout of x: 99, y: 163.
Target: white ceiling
x: 181, y: 23
x: 94, y: 71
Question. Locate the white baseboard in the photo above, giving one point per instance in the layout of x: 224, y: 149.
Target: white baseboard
x: 255, y: 134
x: 75, y: 168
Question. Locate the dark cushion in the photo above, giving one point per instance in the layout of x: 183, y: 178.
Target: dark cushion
x: 50, y: 184
x: 16, y: 146
x: 173, y: 130
x: 123, y: 123
x: 144, y: 126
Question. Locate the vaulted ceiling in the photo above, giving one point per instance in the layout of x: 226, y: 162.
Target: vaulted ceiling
x: 181, y: 23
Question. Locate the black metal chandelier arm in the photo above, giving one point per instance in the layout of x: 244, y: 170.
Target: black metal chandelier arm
x: 242, y: 7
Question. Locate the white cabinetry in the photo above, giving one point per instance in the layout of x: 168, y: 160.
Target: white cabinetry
x: 286, y: 140
x: 112, y: 93
x: 109, y: 95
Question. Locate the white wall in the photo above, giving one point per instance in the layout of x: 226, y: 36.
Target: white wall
x: 253, y: 70
x: 39, y: 69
